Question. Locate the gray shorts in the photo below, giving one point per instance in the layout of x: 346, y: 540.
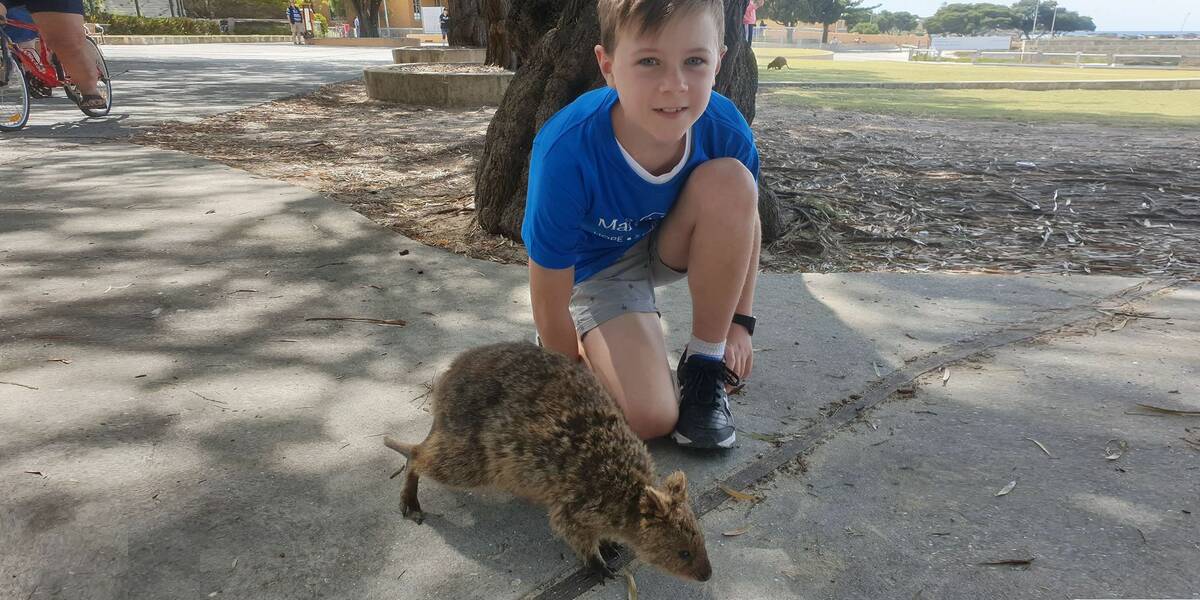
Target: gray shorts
x: 623, y: 287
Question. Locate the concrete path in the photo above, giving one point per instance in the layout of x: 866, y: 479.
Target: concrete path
x: 152, y: 84
x: 175, y: 425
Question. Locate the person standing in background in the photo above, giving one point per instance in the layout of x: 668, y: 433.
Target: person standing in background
x: 750, y: 18
x: 445, y: 21
x: 296, y: 20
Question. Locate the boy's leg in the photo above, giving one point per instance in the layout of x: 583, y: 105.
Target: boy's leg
x: 629, y: 357
x: 712, y: 233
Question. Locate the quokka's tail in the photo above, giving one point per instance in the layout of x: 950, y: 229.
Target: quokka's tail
x: 398, y: 446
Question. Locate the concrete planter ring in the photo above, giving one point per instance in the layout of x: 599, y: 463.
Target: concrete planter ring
x: 438, y: 84
x: 438, y: 55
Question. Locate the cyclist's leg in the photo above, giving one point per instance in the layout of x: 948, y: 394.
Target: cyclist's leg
x: 61, y: 26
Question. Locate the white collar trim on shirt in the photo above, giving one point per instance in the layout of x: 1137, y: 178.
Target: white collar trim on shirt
x: 665, y: 177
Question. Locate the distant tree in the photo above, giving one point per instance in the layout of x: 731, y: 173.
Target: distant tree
x: 788, y: 12
x: 896, y: 22
x: 1069, y: 20
x: 971, y: 19
x: 867, y: 28
x: 854, y: 16
x: 1065, y: 20
x: 828, y: 12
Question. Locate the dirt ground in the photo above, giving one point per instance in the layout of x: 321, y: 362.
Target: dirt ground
x: 860, y: 192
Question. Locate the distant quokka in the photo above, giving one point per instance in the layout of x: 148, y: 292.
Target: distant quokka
x: 779, y: 63
x: 521, y: 419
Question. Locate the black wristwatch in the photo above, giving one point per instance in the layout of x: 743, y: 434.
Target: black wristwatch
x: 746, y: 321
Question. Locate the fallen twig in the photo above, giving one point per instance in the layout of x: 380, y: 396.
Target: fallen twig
x: 18, y: 384
x: 1169, y: 411
x: 396, y: 322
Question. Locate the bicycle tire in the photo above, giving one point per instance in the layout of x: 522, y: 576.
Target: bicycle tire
x: 14, y: 91
x: 103, y: 83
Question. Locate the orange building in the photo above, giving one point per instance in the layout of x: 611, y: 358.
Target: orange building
x: 404, y: 14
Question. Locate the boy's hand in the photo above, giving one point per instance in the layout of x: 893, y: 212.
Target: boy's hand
x: 739, y: 352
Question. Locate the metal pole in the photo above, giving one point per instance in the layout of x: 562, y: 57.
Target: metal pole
x: 386, y: 19
x: 1036, y: 8
x: 1053, y: 20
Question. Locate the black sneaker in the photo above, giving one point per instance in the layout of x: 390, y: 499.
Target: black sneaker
x: 704, y: 417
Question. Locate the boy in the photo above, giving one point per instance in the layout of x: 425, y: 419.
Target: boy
x: 636, y: 185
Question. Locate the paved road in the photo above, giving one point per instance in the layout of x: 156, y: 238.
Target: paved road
x: 189, y: 81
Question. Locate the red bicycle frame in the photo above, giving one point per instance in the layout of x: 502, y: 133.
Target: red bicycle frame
x: 48, y: 72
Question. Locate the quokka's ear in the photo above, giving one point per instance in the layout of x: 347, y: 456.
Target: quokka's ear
x: 677, y: 485
x: 655, y: 502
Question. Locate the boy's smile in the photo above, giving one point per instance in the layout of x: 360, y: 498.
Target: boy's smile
x: 663, y: 80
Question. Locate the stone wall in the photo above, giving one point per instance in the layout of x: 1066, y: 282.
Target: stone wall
x: 149, y: 8
x: 1189, y: 49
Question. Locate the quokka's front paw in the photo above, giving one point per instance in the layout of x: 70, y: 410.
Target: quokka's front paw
x: 412, y: 512
x: 600, y: 568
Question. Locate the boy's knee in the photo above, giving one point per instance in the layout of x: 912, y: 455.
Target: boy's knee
x: 727, y: 185
x: 650, y: 422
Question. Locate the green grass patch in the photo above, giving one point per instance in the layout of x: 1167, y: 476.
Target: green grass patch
x: 818, y: 70
x: 1109, y: 107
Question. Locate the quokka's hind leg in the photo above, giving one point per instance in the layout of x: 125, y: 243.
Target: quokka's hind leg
x: 409, y: 504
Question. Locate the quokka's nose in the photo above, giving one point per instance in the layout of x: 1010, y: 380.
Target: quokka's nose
x: 704, y: 573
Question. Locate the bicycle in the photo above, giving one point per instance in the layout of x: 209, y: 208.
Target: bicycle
x: 27, y: 74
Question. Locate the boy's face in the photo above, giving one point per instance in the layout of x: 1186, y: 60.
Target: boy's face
x: 663, y: 79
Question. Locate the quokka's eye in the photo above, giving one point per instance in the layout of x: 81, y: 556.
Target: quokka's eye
x: 685, y: 555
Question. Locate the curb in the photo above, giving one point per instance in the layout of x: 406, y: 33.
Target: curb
x: 1039, y: 86
x: 146, y: 40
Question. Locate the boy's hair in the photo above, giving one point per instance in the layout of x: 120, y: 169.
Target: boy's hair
x: 650, y: 16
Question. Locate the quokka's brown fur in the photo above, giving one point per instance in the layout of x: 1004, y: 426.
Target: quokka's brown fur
x: 778, y: 64
x: 518, y: 418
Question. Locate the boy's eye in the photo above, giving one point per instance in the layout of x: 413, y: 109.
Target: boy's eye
x: 696, y: 61
x: 648, y: 62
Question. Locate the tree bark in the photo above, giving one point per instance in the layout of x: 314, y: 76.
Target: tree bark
x: 368, y: 17
x: 553, y: 42
x: 467, y: 26
x: 499, y: 49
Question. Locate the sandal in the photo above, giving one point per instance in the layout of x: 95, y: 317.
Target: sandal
x: 92, y: 102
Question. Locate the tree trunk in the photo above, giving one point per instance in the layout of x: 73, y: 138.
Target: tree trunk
x: 824, y: 33
x: 467, y: 26
x: 368, y: 17
x: 499, y: 50
x: 553, y: 41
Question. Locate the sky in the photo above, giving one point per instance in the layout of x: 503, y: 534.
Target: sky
x: 1109, y: 15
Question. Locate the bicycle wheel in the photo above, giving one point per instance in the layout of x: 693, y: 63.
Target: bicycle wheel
x: 103, y: 84
x: 14, y: 93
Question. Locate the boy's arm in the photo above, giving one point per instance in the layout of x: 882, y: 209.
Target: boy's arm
x: 550, y: 295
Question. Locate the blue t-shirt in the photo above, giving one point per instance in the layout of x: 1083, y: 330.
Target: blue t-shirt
x: 586, y: 205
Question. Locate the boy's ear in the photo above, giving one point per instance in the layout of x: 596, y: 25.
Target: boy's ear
x: 721, y: 57
x: 605, y: 63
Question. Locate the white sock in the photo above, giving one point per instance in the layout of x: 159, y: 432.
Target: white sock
x: 715, y: 351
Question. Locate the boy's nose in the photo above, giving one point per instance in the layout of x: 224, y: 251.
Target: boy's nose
x: 674, y: 81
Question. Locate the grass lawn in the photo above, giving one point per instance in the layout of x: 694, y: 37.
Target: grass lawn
x: 834, y: 70
x: 1111, y: 107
